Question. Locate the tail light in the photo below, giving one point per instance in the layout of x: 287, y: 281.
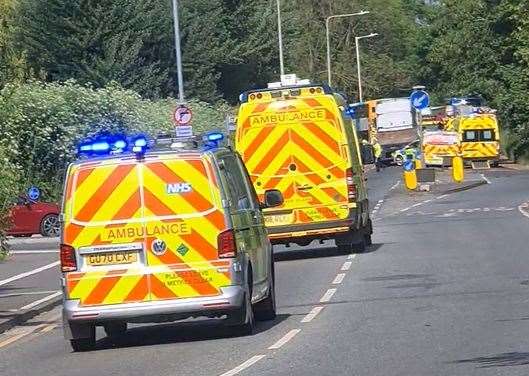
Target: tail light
x: 68, y: 260
x: 351, y: 186
x: 226, y: 244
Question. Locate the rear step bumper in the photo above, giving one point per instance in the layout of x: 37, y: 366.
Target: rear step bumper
x: 156, y: 311
x: 311, y: 231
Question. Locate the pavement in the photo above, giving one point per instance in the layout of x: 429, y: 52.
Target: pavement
x: 444, y: 290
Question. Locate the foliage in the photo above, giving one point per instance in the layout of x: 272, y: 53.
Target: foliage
x: 41, y: 123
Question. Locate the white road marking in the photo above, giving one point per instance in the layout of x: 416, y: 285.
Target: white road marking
x: 338, y: 279
x: 49, y: 328
x: 33, y: 252
x: 440, y: 197
x: 485, y: 178
x: 351, y: 257
x: 40, y: 301
x: 524, y: 209
x: 417, y: 204
x: 250, y: 362
x: 26, y: 293
x: 285, y: 339
x: 394, y: 186
x: 405, y: 210
x: 312, y: 314
x: 327, y: 296
x: 346, y: 265
x: 27, y: 274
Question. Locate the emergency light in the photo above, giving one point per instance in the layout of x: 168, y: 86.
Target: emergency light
x: 212, y: 140
x: 112, y: 145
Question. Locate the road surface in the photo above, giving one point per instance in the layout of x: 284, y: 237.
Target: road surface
x: 443, y: 291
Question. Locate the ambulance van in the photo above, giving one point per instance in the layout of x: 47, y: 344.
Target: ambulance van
x: 297, y: 138
x: 162, y: 235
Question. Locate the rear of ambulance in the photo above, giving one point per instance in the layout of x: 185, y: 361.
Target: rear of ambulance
x: 295, y: 140
x: 145, y: 241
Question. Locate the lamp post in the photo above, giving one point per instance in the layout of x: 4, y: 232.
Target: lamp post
x: 280, y: 39
x: 180, y: 74
x: 328, y: 35
x: 357, y: 40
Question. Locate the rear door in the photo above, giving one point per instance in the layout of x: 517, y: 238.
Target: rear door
x: 299, y: 147
x: 103, y: 222
x: 183, y: 217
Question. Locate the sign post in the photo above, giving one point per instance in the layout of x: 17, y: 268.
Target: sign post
x: 420, y: 100
x: 182, y: 118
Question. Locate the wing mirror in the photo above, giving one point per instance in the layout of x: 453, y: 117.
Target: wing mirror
x: 368, y: 154
x: 272, y: 198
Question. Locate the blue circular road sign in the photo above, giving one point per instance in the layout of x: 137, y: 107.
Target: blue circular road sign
x: 33, y: 193
x: 408, y: 165
x: 420, y: 99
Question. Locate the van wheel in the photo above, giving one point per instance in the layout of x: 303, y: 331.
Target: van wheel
x: 242, y: 320
x: 84, y: 344
x: 361, y: 246
x: 368, y: 233
x: 265, y: 310
x: 115, y: 329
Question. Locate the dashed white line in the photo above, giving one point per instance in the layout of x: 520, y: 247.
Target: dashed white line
x: 327, y: 296
x: 417, y: 204
x: 33, y: 252
x: 524, y: 209
x: 312, y: 314
x: 440, y: 197
x: 40, y: 301
x: 250, y: 362
x: 27, y: 274
x: 338, y: 279
x: 351, y: 257
x: 485, y: 178
x: 394, y: 186
x: 285, y: 339
x: 346, y: 265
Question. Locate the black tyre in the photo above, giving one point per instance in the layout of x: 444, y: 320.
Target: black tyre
x: 50, y: 226
x: 265, y: 310
x: 84, y: 344
x: 361, y: 246
x: 344, y: 244
x: 368, y: 233
x: 115, y: 329
x: 242, y: 321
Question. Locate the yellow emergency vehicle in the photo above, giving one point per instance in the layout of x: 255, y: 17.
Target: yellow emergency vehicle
x: 161, y: 235
x: 296, y: 137
x: 479, y: 137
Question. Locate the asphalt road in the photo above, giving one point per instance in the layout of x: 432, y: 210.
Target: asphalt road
x: 443, y: 291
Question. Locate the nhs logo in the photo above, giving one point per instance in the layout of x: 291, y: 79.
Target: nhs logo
x: 177, y: 188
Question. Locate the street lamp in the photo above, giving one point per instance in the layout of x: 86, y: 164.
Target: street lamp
x: 280, y: 39
x: 328, y: 33
x: 357, y: 39
x: 178, y: 53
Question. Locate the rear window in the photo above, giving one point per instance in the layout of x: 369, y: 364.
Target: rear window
x: 479, y: 135
x: 115, y: 193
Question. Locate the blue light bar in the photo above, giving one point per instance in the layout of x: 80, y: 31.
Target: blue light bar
x: 111, y: 145
x: 215, y: 136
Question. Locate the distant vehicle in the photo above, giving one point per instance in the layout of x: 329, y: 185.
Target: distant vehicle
x: 163, y: 235
x: 413, y: 149
x: 30, y: 218
x: 395, y: 125
x: 296, y: 137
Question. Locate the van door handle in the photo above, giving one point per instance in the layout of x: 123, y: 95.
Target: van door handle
x: 305, y: 188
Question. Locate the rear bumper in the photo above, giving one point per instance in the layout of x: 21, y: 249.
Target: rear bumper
x: 312, y: 231
x: 232, y: 297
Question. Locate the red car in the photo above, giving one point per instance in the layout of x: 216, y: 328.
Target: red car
x: 30, y: 217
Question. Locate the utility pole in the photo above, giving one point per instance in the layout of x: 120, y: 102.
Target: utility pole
x: 358, y: 64
x: 178, y: 49
x: 280, y: 39
x: 328, y: 37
